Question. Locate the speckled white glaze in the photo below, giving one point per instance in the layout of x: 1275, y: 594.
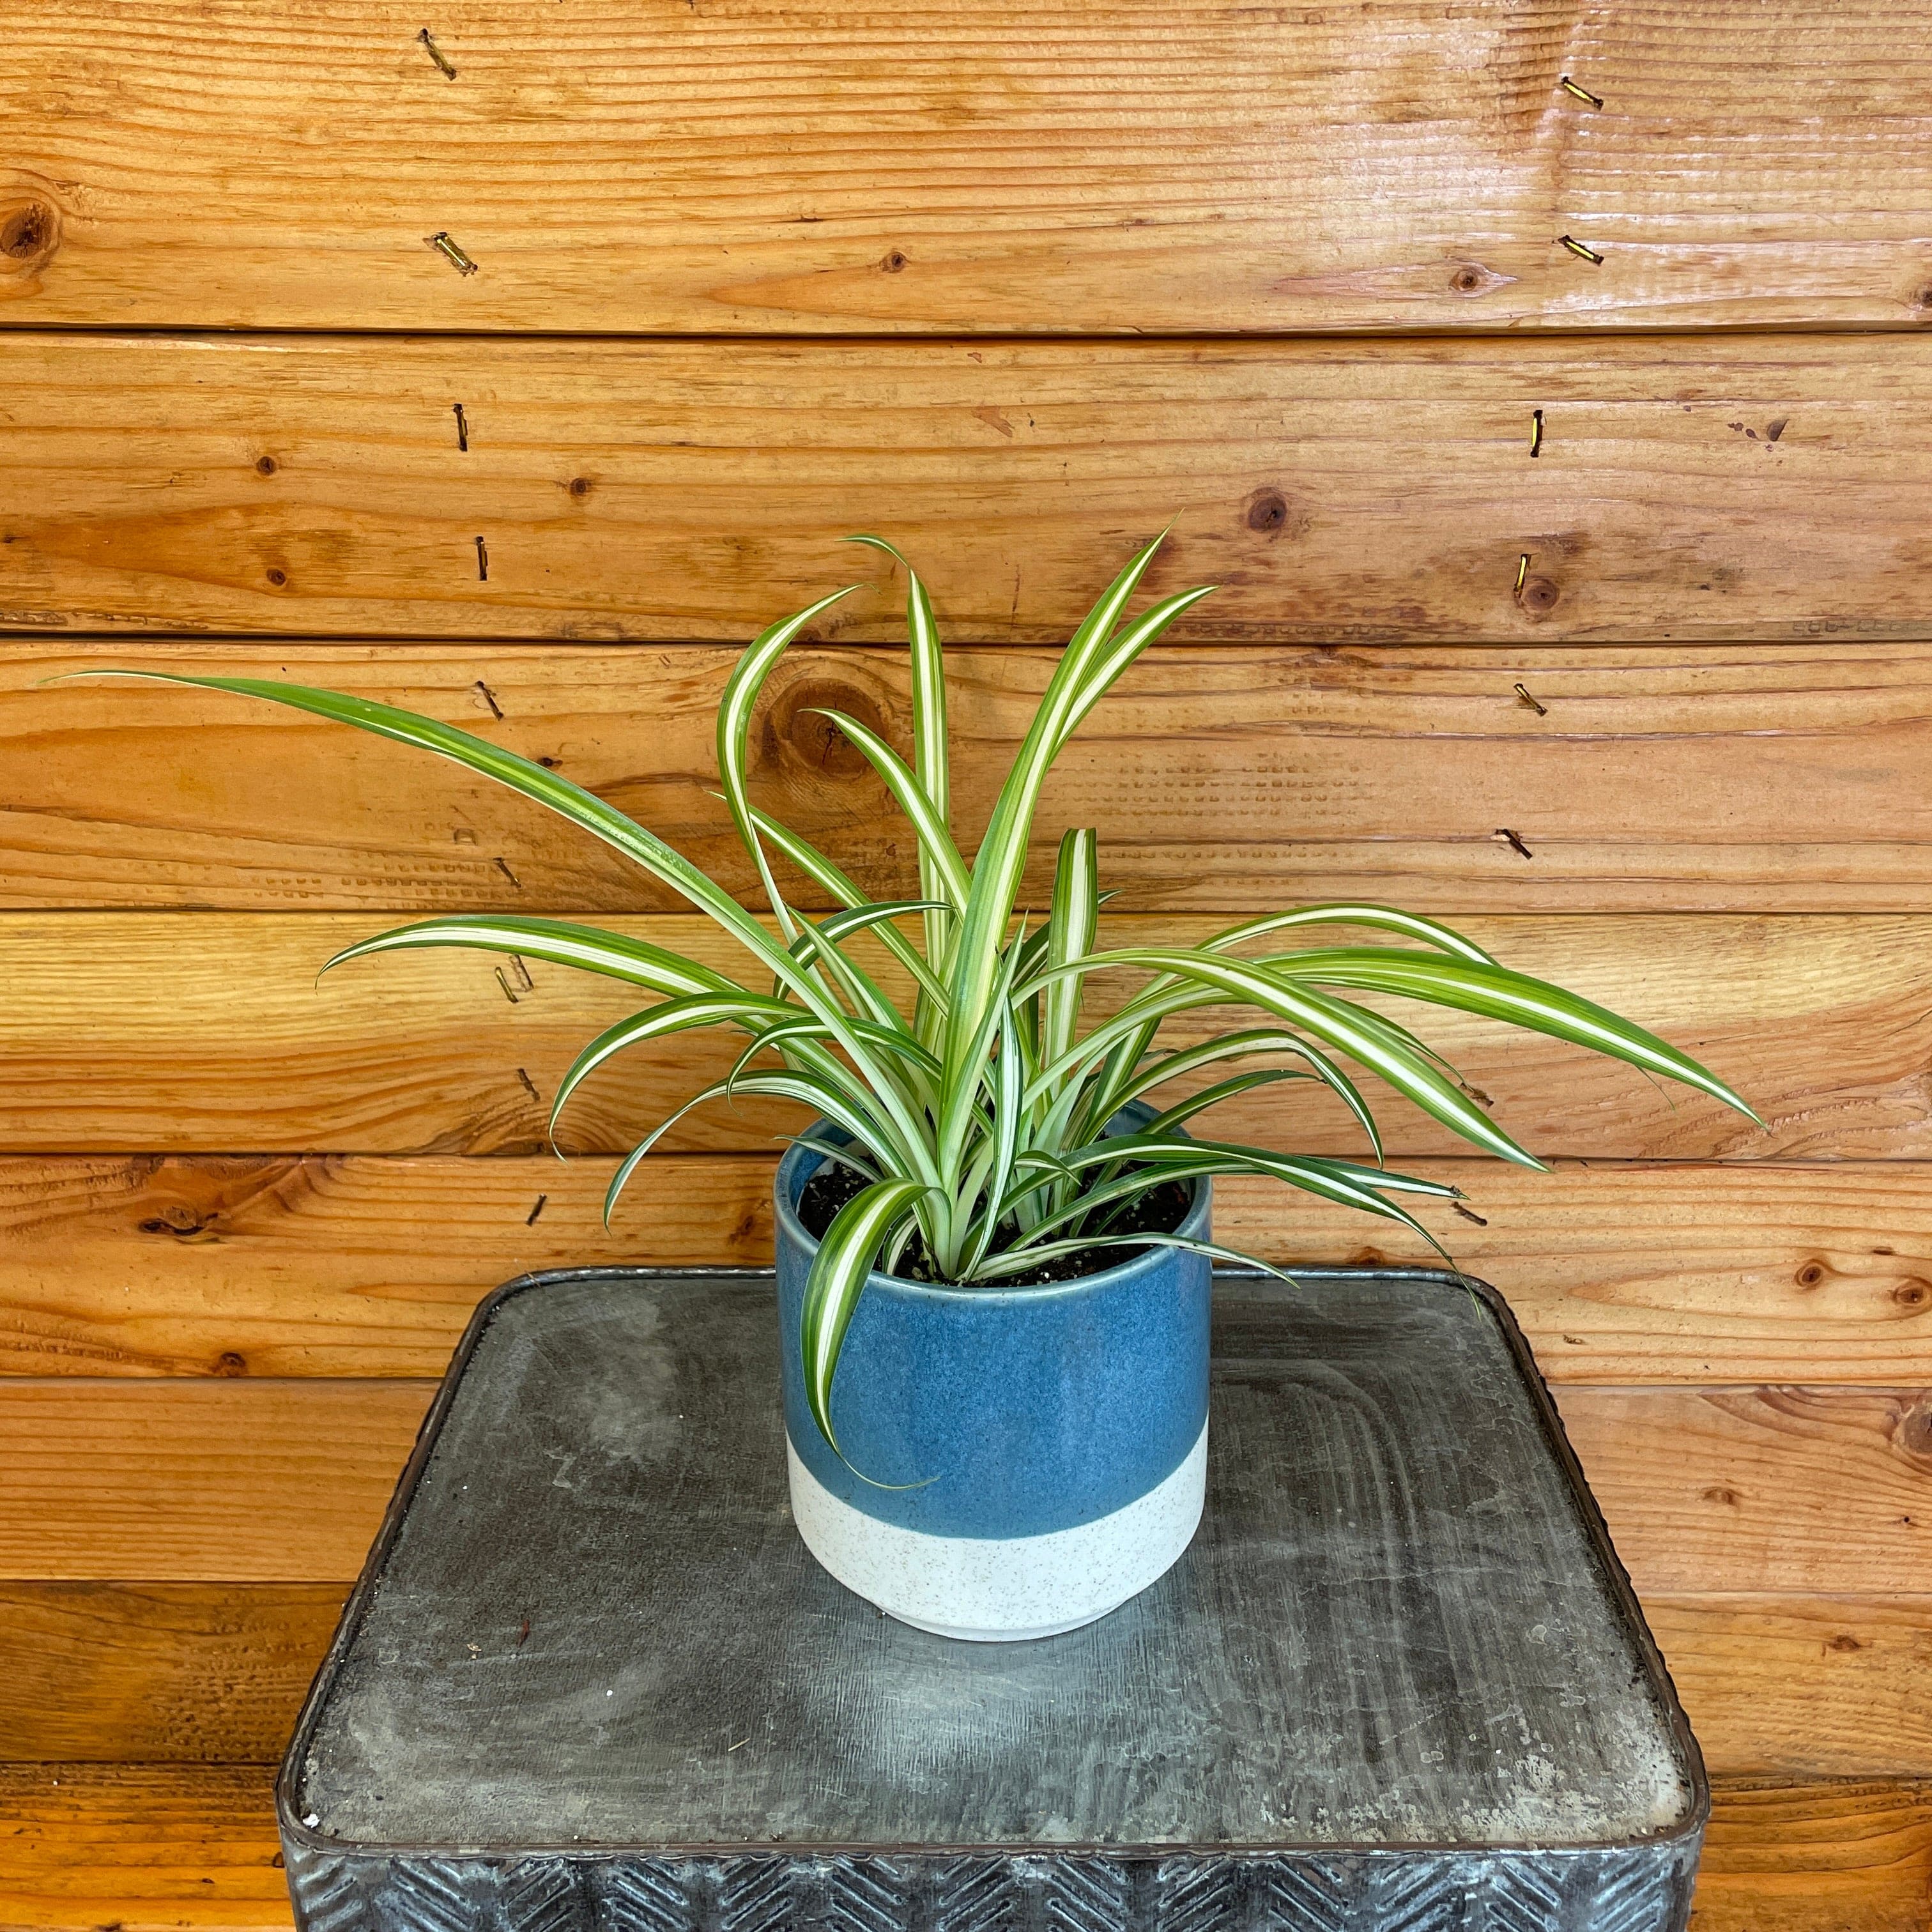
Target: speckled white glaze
x: 991, y: 1589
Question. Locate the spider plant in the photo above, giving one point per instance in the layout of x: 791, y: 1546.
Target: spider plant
x: 947, y: 1034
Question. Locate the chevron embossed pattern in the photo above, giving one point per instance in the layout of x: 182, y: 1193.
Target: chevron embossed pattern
x: 323, y: 1892
x: 638, y: 1895
x: 1201, y: 1895
x: 968, y: 1894
x: 1630, y: 1891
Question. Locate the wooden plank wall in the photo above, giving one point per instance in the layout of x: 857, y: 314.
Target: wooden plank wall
x: 1649, y: 708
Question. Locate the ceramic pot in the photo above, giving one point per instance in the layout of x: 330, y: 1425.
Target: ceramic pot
x: 1057, y: 1436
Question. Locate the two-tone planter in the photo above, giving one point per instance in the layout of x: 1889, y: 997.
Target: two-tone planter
x: 1018, y: 1461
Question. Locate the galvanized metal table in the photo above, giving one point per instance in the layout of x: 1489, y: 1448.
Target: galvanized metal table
x: 591, y: 1681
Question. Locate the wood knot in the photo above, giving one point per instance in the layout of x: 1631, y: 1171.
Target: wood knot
x: 1268, y: 510
x: 278, y: 577
x: 579, y: 486
x: 1719, y: 1492
x: 30, y: 234
x: 1271, y: 513
x: 797, y: 733
x: 1910, y: 1294
x: 177, y: 1218
x: 266, y: 466
x: 1914, y: 1434
x: 893, y: 262
x: 1539, y: 595
x: 228, y: 1362
x: 1472, y: 278
x: 1843, y: 1641
x: 1811, y: 1274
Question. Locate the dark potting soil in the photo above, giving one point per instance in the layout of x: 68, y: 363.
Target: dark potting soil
x: 1158, y: 1211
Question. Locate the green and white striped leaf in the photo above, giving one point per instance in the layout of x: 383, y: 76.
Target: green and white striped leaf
x: 844, y: 1258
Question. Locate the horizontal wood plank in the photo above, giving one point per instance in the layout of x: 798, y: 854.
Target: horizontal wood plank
x: 1635, y: 779
x: 207, y: 1032
x: 1851, y: 1857
x: 999, y: 165
x: 279, y: 1482
x: 1687, y: 488
x: 189, y: 1672
x: 215, y: 1672
x: 1808, y: 1490
x: 1812, y: 1490
x: 163, y: 1848
x: 141, y: 1847
x: 1802, y: 1686
x: 291, y: 1265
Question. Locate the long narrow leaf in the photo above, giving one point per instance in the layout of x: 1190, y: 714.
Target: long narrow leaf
x: 684, y: 1015
x: 1345, y: 912
x: 663, y: 861
x: 1002, y: 854
x: 1241, y: 1046
x: 1335, y: 1024
x: 1019, y: 1261
x: 561, y: 943
x: 845, y: 1257
x: 1496, y: 993
x: 930, y: 752
x: 935, y: 841
x: 814, y: 864
x: 1070, y: 930
x: 734, y: 723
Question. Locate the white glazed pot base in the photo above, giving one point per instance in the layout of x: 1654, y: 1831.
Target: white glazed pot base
x: 1004, y: 1589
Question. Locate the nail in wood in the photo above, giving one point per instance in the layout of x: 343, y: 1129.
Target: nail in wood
x: 450, y: 252
x: 1536, y: 432
x: 1514, y: 841
x: 462, y: 426
x: 483, y: 576
x: 1577, y: 247
x: 441, y: 59
x: 1583, y: 94
x: 1523, y: 697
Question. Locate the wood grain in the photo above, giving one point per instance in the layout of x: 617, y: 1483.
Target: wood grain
x: 163, y: 1848
x: 291, y: 1265
x: 1810, y: 1489
x: 253, y: 1481
x: 1802, y: 1686
x: 215, y: 1672
x: 1850, y: 1857
x: 999, y: 165
x: 1689, y: 487
x: 1650, y: 779
x: 188, y: 1672
x: 145, y: 1848
x: 207, y: 1032
x: 1813, y: 1489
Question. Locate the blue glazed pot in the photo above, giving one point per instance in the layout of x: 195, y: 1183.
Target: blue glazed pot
x: 1057, y: 1436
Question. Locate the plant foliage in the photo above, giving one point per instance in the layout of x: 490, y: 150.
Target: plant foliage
x: 976, y: 1092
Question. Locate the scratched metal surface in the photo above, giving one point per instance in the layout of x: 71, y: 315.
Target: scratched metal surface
x: 592, y: 1627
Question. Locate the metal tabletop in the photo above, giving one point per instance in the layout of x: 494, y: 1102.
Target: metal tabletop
x: 591, y: 1678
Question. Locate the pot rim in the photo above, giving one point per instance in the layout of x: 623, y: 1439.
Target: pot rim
x: 789, y: 1181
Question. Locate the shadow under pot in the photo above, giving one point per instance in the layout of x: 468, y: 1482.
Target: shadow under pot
x: 1048, y: 1444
